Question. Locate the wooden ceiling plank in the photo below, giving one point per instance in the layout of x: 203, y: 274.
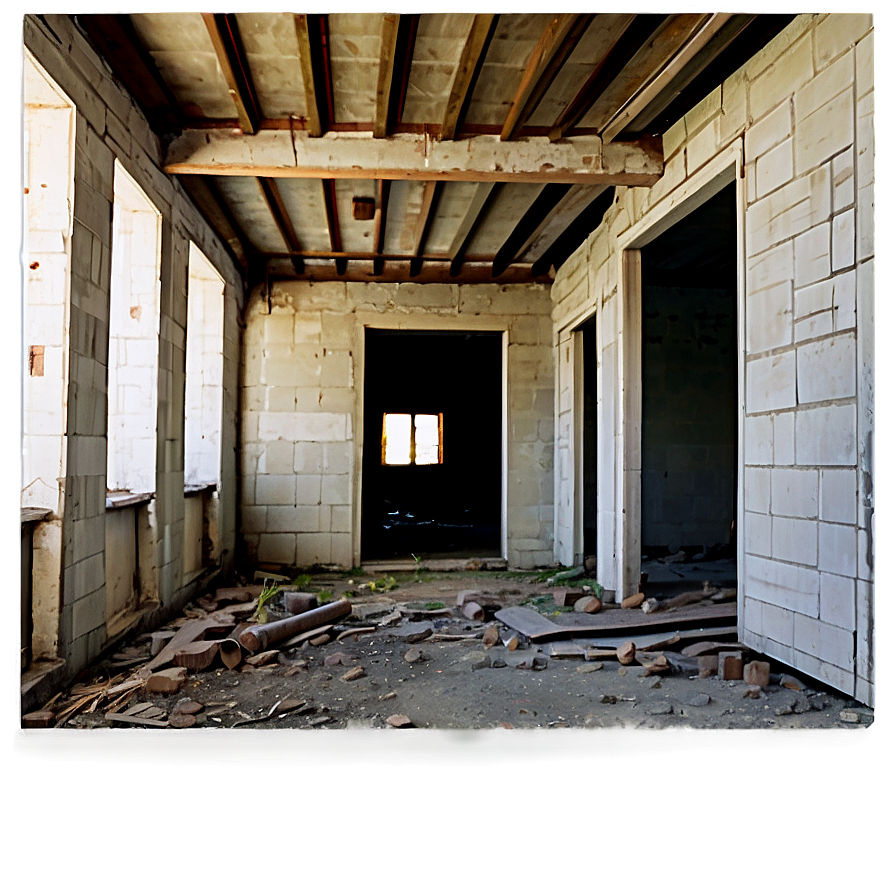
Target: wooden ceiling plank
x: 633, y: 33
x: 671, y: 70
x: 202, y: 191
x: 553, y: 49
x: 706, y: 56
x: 281, y: 217
x: 309, y: 80
x: 388, y: 42
x: 475, y: 46
x: 224, y: 33
x: 474, y: 214
x: 483, y: 158
x: 115, y: 38
x: 401, y: 73
x: 644, y: 65
x: 332, y: 212
x: 379, y: 224
x: 552, y: 226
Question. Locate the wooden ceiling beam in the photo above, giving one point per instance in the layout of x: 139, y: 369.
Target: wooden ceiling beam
x: 674, y: 67
x: 313, y: 37
x: 468, y: 67
x: 633, y: 34
x: 281, y: 217
x: 471, y: 220
x: 431, y: 191
x: 415, y: 157
x: 224, y: 33
x: 118, y: 44
x: 332, y: 213
x: 388, y: 44
x: 551, y: 52
x: 552, y: 226
x: 645, y: 65
x: 379, y: 224
x: 399, y: 271
x: 207, y: 199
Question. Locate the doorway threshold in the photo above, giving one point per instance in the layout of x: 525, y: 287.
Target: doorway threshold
x: 446, y: 564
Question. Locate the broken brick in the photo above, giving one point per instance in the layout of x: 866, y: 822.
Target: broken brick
x: 633, y: 600
x: 181, y: 720
x: 625, y: 653
x: 566, y: 597
x: 42, y: 718
x: 399, y: 721
x: 188, y: 707
x: 731, y: 665
x: 757, y: 673
x: 587, y: 604
x: 490, y: 637
x: 707, y: 665
x: 354, y: 673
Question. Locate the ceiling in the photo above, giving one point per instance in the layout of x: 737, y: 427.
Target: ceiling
x: 445, y: 147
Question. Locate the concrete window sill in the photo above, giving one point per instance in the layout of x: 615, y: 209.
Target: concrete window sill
x: 115, y: 500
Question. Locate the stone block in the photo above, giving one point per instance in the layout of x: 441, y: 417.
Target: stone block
x: 707, y: 665
x: 812, y: 255
x: 277, y: 548
x: 843, y: 241
x: 825, y: 132
x: 794, y: 493
x: 768, y: 131
x: 731, y: 665
x: 784, y: 436
x: 836, y: 33
x: 837, y: 547
x: 795, y: 540
x: 759, y: 440
x: 839, y: 496
x: 757, y: 534
x: 774, y: 168
x: 771, y: 383
x: 782, y: 585
x: 826, y: 436
x: 838, y: 601
x: 274, y: 490
x: 825, y: 642
x: 757, y: 489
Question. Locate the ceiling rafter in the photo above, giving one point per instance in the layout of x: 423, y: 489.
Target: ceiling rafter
x: 639, y: 30
x: 379, y: 224
x: 313, y: 36
x: 224, y: 33
x: 468, y: 68
x: 431, y: 192
x: 279, y: 213
x: 115, y: 38
x: 532, y: 220
x: 384, y: 83
x: 207, y: 199
x: 468, y: 226
x: 332, y: 212
x: 655, y: 86
x: 554, y: 46
x: 574, y: 234
x: 401, y: 74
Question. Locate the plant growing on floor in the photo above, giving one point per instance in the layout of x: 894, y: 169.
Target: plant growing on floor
x: 301, y: 582
x: 267, y: 592
x: 387, y: 583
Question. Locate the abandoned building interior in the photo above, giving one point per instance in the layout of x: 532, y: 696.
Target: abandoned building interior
x: 314, y: 291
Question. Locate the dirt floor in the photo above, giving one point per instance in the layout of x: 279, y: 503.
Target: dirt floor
x: 426, y: 662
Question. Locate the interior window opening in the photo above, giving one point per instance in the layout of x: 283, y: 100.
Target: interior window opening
x: 412, y: 439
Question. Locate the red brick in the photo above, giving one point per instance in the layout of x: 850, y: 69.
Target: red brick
x: 731, y: 665
x: 757, y: 673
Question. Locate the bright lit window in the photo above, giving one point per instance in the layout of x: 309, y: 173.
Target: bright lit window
x: 412, y: 439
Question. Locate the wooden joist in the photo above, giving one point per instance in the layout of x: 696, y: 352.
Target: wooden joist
x: 468, y: 66
x: 224, y: 33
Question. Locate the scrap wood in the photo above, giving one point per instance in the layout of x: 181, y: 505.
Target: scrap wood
x: 195, y: 630
x: 702, y: 647
x: 355, y: 631
x: 134, y: 720
x: 307, y: 636
x: 439, y: 636
x: 137, y: 708
x: 197, y: 656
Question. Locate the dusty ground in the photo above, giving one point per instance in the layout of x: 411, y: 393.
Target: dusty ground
x: 457, y: 683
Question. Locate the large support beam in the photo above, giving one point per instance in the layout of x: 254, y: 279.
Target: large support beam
x: 202, y: 191
x: 416, y: 157
x: 552, y: 226
x: 224, y: 32
x: 467, y: 68
x: 281, y: 218
x: 388, y: 41
x: 379, y: 224
x: 552, y: 50
x: 428, y: 204
x: 332, y: 213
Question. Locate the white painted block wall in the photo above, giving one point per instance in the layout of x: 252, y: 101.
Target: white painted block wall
x: 301, y: 410
x: 803, y: 108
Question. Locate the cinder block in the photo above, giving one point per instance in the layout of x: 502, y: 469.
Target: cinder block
x: 812, y: 255
x: 825, y: 642
x: 836, y: 33
x: 845, y: 301
x: 782, y: 76
x: 843, y: 241
x: 770, y: 316
x: 843, y: 178
x: 838, y: 601
x: 731, y: 665
x: 774, y: 168
x: 768, y: 131
x: 275, y: 490
x: 757, y: 489
x: 839, y: 496
x: 794, y: 493
x: 759, y: 440
x: 771, y: 383
x: 308, y: 489
x: 826, y: 436
x: 782, y: 585
x: 757, y: 534
x: 795, y: 540
x: 277, y: 548
x: 784, y: 436
x: 837, y: 548
x: 707, y: 665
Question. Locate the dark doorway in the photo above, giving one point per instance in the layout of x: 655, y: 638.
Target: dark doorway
x: 689, y: 386
x: 588, y: 444
x: 428, y: 500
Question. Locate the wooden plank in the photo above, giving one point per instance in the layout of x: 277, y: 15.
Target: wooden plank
x: 537, y: 628
x: 187, y: 634
x: 388, y: 39
x: 131, y: 720
x: 332, y: 213
x: 710, y: 28
x: 480, y: 159
x: 467, y: 69
x: 314, y: 124
x: 553, y: 49
x: 379, y: 224
x: 202, y: 191
x: 224, y: 33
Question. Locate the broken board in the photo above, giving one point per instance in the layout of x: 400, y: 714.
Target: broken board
x: 537, y: 628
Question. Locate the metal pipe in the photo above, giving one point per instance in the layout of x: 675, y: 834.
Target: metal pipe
x: 260, y: 637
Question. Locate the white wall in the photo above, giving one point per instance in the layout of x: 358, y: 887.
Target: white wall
x: 799, y: 114
x: 301, y: 410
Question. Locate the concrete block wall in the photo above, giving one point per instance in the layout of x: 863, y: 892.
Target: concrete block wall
x: 302, y: 393
x: 802, y: 108
x: 108, y: 126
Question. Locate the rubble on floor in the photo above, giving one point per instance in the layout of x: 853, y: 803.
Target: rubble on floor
x: 475, y: 649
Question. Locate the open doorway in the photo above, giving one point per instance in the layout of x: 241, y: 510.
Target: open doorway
x: 431, y: 483
x: 689, y: 398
